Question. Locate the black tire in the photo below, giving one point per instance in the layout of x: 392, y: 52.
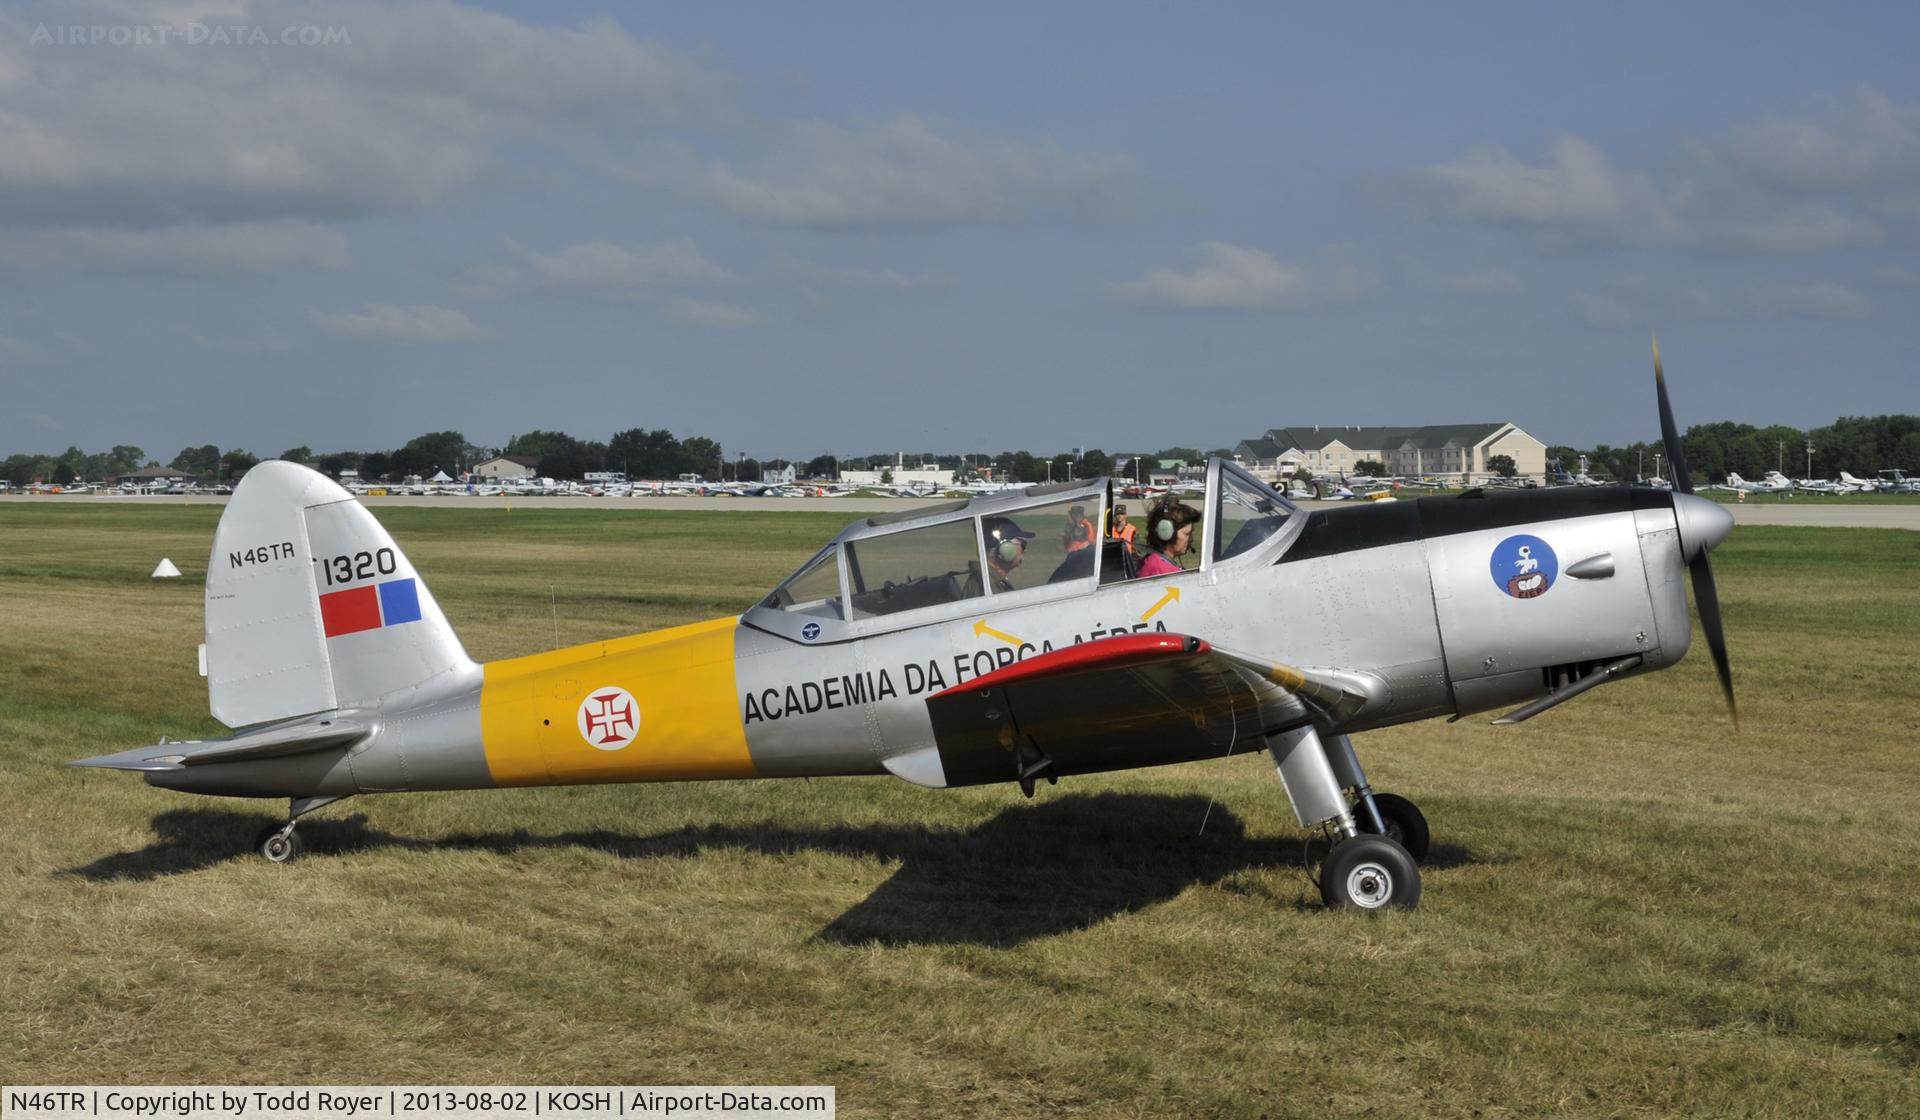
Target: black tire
x: 1406, y: 824
x: 1369, y: 873
x: 277, y: 848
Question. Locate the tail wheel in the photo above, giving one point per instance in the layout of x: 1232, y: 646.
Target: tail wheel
x: 1369, y: 873
x: 278, y: 843
x: 1406, y: 825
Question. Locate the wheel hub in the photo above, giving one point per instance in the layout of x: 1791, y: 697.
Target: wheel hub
x: 1369, y: 885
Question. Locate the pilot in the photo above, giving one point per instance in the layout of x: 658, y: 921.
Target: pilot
x: 1006, y: 548
x: 1170, y: 527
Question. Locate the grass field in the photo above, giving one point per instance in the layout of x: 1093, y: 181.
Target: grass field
x: 1630, y: 909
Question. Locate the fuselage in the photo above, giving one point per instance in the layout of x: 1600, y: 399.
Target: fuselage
x: 1442, y: 605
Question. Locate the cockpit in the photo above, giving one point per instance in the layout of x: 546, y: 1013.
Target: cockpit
x: 1000, y: 550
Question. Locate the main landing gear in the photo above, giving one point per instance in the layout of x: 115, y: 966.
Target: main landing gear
x: 1381, y: 837
x: 279, y: 843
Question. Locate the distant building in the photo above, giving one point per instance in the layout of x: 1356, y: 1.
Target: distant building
x: 1435, y: 449
x: 157, y: 476
x: 779, y: 473
x: 509, y: 466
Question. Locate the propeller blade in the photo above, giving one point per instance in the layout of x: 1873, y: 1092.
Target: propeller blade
x: 1670, y: 433
x: 1707, y: 600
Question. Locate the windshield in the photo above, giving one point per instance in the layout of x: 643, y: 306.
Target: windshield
x: 814, y: 589
x: 1246, y: 512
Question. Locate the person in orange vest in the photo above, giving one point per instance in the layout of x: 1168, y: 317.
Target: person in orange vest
x: 1122, y: 529
x: 1080, y: 532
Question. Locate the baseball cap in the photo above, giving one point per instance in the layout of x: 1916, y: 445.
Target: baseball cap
x: 1003, y: 529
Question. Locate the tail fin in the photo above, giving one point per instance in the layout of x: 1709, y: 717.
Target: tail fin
x: 311, y: 607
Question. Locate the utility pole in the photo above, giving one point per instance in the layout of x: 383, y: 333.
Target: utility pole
x: 1809, y: 458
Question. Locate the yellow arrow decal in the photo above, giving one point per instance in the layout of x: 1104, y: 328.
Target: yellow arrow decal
x: 1172, y: 596
x: 981, y: 628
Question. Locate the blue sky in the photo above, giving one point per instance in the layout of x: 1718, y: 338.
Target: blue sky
x: 825, y: 227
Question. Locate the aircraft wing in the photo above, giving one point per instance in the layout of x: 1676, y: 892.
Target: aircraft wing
x: 1117, y: 703
x: 271, y: 742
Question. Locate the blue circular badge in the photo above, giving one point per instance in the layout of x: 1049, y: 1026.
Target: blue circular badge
x: 1524, y: 566
x: 810, y: 631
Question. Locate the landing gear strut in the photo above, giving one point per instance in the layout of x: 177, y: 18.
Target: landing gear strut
x: 1402, y: 821
x: 1372, y: 865
x: 279, y: 843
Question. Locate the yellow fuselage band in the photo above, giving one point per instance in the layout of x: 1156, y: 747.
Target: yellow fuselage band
x: 685, y: 716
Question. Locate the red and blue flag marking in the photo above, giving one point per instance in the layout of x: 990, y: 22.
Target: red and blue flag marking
x: 370, y: 607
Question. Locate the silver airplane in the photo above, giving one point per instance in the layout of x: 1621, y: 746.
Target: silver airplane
x: 962, y: 644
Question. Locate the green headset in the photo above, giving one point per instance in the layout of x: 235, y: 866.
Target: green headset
x: 1163, y: 527
x: 1008, y: 548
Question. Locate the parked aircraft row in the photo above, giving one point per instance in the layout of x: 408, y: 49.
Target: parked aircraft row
x: 1329, y: 486
x: 1892, y: 481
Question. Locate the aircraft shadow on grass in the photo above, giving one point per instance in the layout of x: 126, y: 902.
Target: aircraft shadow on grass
x: 1028, y: 872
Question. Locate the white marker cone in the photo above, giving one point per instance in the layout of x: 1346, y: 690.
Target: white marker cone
x: 166, y: 570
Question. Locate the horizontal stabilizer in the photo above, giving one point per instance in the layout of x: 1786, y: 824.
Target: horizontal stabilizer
x: 271, y: 742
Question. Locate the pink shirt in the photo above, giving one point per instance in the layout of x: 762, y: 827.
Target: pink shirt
x: 1156, y: 564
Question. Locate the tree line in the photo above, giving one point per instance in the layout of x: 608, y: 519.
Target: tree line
x: 636, y: 452
x: 1858, y: 444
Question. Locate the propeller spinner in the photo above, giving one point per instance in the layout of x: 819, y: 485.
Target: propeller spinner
x: 1702, y: 525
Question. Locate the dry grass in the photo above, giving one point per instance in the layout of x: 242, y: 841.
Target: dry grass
x: 1630, y: 910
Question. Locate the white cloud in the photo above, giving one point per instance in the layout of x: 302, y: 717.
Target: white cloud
x: 1233, y: 277
x: 197, y: 248
x: 704, y: 313
x: 1843, y: 174
x: 411, y: 107
x: 422, y: 323
x: 1824, y: 300
x: 1577, y: 185
x: 906, y: 172
x: 220, y: 158
x: 612, y: 271
x: 1860, y: 140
